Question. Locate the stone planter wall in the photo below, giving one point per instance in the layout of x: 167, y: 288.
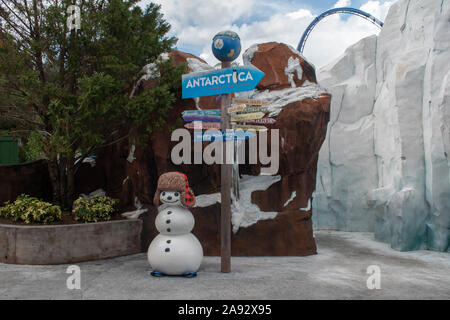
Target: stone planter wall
x: 63, y: 244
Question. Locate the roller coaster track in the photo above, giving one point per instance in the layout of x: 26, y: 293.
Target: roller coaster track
x: 349, y: 10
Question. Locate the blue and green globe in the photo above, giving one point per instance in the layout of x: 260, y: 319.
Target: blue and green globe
x: 226, y: 46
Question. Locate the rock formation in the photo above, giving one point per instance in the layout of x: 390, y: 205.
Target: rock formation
x: 273, y: 220
x: 385, y: 166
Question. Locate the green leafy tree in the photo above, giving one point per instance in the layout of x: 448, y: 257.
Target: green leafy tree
x: 70, y: 91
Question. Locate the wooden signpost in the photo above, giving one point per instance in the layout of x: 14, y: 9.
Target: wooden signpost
x: 225, y: 188
x: 224, y: 81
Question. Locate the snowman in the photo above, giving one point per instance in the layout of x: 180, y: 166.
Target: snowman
x: 175, y: 251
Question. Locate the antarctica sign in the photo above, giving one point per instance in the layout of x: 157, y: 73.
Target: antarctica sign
x: 222, y: 81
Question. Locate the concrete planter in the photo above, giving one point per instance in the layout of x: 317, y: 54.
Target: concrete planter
x: 62, y: 244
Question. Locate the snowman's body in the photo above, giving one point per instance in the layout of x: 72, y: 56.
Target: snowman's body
x: 175, y: 251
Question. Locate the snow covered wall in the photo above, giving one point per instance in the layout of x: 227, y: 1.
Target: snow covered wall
x: 384, y: 165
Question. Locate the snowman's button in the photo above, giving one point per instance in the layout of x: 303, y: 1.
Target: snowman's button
x: 168, y: 229
x: 169, y: 212
x: 167, y: 250
x: 169, y: 241
x: 168, y: 221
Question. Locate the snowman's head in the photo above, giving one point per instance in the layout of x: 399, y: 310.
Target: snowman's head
x: 170, y: 197
x: 173, y: 188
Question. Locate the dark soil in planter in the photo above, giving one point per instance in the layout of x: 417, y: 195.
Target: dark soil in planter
x: 67, y: 218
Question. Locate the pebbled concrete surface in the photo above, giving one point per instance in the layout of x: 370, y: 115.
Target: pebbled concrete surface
x: 338, y: 271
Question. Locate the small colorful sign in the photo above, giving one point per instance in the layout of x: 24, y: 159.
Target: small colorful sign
x: 222, y: 81
x: 236, y: 108
x: 202, y: 125
x: 229, y: 135
x: 252, y: 109
x: 206, y: 112
x: 247, y: 116
x: 203, y: 118
x: 249, y: 127
x: 251, y: 102
x: 262, y: 121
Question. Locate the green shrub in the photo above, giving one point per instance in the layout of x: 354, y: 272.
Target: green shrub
x: 30, y: 210
x: 94, y: 210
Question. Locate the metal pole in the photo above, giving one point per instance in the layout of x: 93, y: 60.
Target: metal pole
x: 226, y: 169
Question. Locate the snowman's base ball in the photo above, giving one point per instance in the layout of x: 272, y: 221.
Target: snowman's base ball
x: 175, y: 254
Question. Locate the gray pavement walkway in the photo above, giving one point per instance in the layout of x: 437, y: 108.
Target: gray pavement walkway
x: 338, y: 271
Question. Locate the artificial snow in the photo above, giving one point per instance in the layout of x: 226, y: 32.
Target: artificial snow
x: 150, y: 71
x: 248, y: 55
x: 278, y: 99
x: 137, y: 203
x: 292, y: 67
x: 134, y: 214
x: 308, y: 206
x: 131, y: 157
x: 90, y: 160
x: 293, y: 195
x: 96, y: 193
x: 196, y: 65
x: 243, y: 212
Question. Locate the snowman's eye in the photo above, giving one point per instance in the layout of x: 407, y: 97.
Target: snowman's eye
x: 163, y: 193
x: 176, y: 194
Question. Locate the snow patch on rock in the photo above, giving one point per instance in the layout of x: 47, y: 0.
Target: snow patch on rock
x: 96, y: 193
x: 150, y: 71
x: 134, y: 214
x: 196, y: 65
x: 243, y: 212
x: 248, y: 55
x: 278, y: 99
x: 292, y: 67
x: 308, y: 206
x: 131, y: 157
x: 293, y: 195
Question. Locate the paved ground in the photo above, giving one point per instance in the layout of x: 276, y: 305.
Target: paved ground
x: 339, y: 271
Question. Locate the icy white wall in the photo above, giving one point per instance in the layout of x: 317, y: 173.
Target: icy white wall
x: 385, y: 165
x: 347, y: 165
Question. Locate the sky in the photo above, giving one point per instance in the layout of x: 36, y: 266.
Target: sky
x: 195, y: 22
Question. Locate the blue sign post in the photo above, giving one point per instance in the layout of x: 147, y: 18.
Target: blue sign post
x: 223, y: 81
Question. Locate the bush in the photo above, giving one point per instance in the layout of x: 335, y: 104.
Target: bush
x: 30, y: 210
x: 94, y: 210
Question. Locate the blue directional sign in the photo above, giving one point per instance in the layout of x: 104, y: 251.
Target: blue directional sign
x: 222, y: 81
x: 214, y: 135
x: 206, y: 112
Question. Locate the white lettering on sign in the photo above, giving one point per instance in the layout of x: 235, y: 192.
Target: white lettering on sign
x: 218, y: 80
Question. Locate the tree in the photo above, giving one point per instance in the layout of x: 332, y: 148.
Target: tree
x: 68, y: 91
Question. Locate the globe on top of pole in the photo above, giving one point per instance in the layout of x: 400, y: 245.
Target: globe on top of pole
x: 226, y: 46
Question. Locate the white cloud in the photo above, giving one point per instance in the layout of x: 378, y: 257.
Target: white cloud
x: 343, y: 3
x: 302, y: 13
x: 195, y: 23
x: 377, y: 9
